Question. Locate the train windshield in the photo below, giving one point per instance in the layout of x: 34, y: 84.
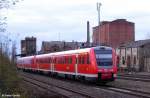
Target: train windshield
x: 104, y: 57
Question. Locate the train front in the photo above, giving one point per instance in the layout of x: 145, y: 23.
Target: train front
x: 106, y: 63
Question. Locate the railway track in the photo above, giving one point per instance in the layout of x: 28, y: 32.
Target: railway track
x: 135, y: 75
x: 130, y: 92
x: 85, y: 94
x: 66, y: 92
x: 143, y: 78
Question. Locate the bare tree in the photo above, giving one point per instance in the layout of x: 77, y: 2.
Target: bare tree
x: 4, y: 36
x: 13, y: 54
x: 4, y: 5
x: 8, y: 75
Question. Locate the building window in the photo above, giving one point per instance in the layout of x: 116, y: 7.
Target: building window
x: 134, y: 60
x: 123, y: 60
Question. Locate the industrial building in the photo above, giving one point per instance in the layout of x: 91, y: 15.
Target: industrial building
x: 55, y: 46
x: 28, y: 46
x: 114, y: 33
x: 135, y: 56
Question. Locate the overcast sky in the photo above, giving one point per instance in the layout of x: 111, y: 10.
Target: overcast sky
x: 66, y: 19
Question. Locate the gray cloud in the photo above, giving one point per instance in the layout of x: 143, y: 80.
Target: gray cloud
x: 45, y: 19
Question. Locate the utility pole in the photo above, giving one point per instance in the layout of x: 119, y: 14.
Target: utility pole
x: 98, y: 10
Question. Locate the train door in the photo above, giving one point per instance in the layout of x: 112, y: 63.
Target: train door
x: 76, y: 65
x: 52, y: 64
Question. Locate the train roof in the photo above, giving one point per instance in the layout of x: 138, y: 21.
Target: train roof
x: 68, y: 52
x: 27, y: 57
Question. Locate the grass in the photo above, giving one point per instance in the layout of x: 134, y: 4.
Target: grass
x: 9, y: 80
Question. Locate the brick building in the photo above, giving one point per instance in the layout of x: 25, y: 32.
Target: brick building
x: 114, y: 33
x: 28, y: 46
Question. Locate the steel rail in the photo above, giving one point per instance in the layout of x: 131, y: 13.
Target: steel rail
x: 47, y: 85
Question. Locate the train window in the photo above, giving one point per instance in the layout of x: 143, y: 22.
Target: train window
x: 36, y: 60
x: 59, y: 60
x: 46, y: 60
x: 54, y: 60
x: 63, y: 60
x: 49, y: 60
x: 32, y: 61
x: 88, y: 59
x: 83, y: 59
x: 40, y: 61
x: 79, y: 59
x: 66, y: 60
x: 70, y: 60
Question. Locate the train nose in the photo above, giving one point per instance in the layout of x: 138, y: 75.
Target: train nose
x: 106, y: 75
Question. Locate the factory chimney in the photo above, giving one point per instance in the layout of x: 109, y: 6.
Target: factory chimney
x: 88, y: 34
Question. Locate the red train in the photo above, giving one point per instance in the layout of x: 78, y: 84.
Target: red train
x: 96, y: 63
